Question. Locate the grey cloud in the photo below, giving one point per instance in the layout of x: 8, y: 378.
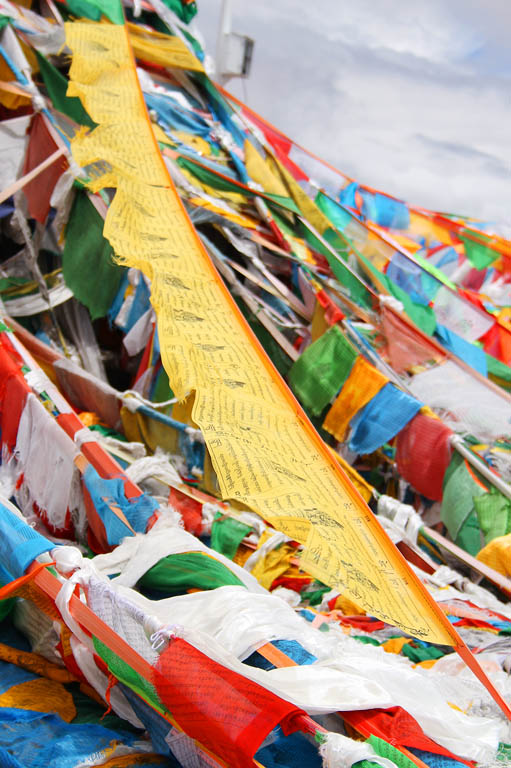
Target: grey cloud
x: 386, y: 91
x: 467, y: 153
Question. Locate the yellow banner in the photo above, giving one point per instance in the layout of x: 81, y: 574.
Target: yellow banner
x: 161, y: 49
x: 264, y: 450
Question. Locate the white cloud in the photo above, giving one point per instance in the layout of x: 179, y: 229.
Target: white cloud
x: 410, y: 98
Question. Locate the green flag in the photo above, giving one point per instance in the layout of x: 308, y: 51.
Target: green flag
x: 56, y: 85
x: 320, y: 372
x: 461, y: 488
x: 333, y: 211
x: 494, y: 514
x: 94, y: 9
x: 356, y: 289
x: 176, y: 574
x: 182, y: 8
x: 477, y: 252
x: 87, y: 259
x: 498, y: 372
x: 227, y: 534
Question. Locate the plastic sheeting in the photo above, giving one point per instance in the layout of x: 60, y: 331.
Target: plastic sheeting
x: 137, y: 554
x: 347, y: 675
x: 465, y: 404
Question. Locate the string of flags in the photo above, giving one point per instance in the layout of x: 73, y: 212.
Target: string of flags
x: 255, y: 479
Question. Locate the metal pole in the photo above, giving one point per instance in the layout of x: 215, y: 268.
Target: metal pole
x: 498, y: 482
x: 224, y: 30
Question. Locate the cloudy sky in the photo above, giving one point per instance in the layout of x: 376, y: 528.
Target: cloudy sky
x: 410, y: 97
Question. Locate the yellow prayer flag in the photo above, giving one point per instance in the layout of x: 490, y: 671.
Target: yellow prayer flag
x: 265, y: 453
x: 395, y: 644
x: 362, y: 486
x: 260, y: 171
x: 44, y: 695
x: 497, y: 555
x: 422, y: 225
x: 308, y: 208
x: 165, y: 50
x: 363, y: 383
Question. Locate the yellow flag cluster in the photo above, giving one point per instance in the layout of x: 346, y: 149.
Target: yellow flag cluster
x: 363, y: 383
x: 265, y: 453
x: 167, y: 51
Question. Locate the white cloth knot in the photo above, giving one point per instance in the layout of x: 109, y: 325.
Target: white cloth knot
x: 403, y: 515
x: 340, y: 752
x: 392, y: 302
x: 37, y: 380
x: 84, y: 435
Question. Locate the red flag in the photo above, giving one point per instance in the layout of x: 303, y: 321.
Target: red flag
x: 13, y: 393
x: 39, y: 191
x: 491, y: 341
x: 222, y: 710
x: 405, y: 347
x: 189, y: 509
x: 497, y: 342
x: 423, y: 453
x: 398, y: 727
x: 505, y: 345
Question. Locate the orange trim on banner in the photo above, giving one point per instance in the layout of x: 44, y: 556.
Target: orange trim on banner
x: 416, y: 608
x: 12, y: 587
